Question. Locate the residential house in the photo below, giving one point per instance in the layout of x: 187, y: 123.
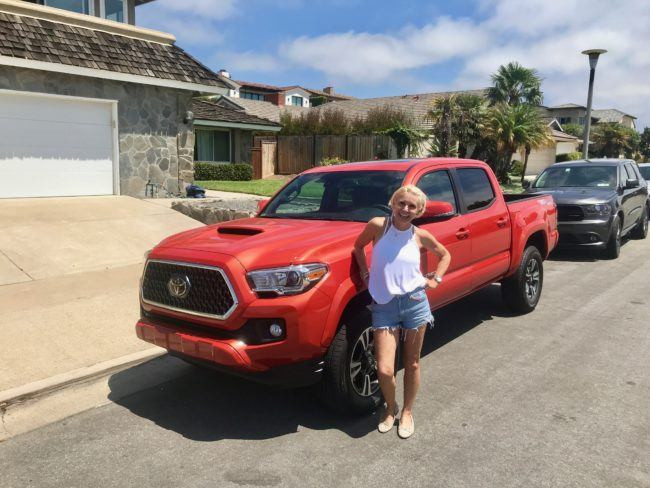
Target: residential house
x: 290, y: 96
x: 224, y: 131
x: 93, y: 104
x: 571, y: 113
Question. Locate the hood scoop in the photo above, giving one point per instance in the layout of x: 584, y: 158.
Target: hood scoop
x: 239, y: 231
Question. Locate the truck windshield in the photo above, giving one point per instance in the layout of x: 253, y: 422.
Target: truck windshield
x: 343, y: 195
x: 577, y: 176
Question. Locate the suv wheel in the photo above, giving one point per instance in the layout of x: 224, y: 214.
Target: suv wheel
x: 613, y: 249
x: 641, y: 229
x: 522, y: 290
x: 350, y: 383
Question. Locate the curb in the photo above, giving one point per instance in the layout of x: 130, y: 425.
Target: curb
x: 60, y: 381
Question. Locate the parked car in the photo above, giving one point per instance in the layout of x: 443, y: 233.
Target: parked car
x: 278, y: 298
x: 644, y: 168
x: 599, y: 201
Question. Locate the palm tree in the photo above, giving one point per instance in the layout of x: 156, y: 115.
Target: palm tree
x: 512, y: 127
x: 458, y: 122
x: 611, y: 140
x: 514, y: 85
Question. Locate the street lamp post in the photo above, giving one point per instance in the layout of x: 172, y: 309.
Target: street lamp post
x: 593, y: 60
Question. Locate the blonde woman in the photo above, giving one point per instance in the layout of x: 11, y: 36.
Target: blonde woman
x: 400, y: 303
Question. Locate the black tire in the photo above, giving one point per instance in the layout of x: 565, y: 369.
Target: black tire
x: 522, y: 290
x: 640, y: 231
x: 350, y: 384
x: 613, y: 249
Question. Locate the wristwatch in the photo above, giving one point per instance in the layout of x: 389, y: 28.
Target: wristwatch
x: 437, y: 278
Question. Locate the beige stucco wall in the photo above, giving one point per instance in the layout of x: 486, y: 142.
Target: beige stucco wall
x: 566, y: 147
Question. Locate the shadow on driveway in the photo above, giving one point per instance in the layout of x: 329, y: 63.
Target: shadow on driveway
x: 204, y: 405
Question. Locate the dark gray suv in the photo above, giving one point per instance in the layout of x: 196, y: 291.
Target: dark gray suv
x: 599, y: 201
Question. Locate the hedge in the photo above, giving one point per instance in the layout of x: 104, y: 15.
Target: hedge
x: 572, y: 156
x: 205, y: 171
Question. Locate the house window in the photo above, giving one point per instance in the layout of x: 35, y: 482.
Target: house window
x: 79, y: 6
x: 212, y: 145
x: 565, y: 120
x: 581, y: 120
x: 114, y: 10
x: 296, y: 100
x: 251, y: 95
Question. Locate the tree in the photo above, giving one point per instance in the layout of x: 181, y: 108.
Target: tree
x: 515, y: 85
x: 644, y: 144
x: 458, y: 124
x: 512, y: 127
x: 612, y: 140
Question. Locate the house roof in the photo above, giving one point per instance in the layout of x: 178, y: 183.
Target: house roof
x: 417, y: 105
x: 568, y: 105
x: 266, y: 110
x: 209, y: 110
x: 560, y: 136
x: 610, y: 115
x: 322, y: 93
x: 46, y: 41
x: 274, y: 88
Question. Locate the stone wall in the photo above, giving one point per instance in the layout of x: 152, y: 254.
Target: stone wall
x: 154, y: 143
x: 212, y: 211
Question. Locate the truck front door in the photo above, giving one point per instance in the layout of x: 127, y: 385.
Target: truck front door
x: 452, y: 233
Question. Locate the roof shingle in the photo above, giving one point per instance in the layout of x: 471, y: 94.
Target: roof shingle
x: 44, y: 40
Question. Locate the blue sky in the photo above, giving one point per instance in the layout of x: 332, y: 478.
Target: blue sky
x: 380, y: 48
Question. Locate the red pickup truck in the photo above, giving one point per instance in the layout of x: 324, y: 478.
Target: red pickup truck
x: 278, y: 298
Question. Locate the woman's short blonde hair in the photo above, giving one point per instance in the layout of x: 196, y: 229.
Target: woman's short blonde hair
x: 414, y: 190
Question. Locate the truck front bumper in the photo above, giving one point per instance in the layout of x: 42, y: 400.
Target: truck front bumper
x: 228, y: 356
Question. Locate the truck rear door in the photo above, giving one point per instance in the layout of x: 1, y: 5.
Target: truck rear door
x: 489, y: 224
x: 453, y: 233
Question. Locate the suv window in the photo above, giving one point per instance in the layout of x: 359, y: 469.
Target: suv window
x: 476, y: 187
x: 630, y: 172
x: 622, y: 175
x: 437, y: 186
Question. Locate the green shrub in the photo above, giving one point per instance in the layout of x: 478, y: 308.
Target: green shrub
x: 572, y: 156
x: 332, y: 161
x: 206, y: 171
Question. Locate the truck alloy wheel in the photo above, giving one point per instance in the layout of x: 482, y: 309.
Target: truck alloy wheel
x: 522, y: 290
x: 641, y: 229
x: 363, y: 365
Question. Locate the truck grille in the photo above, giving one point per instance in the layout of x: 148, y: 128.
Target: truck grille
x: 569, y: 213
x: 193, y: 289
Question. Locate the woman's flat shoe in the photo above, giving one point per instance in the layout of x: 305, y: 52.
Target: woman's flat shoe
x: 385, y: 426
x: 406, y: 431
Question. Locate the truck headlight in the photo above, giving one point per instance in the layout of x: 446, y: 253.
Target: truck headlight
x: 289, y: 280
x: 598, y: 210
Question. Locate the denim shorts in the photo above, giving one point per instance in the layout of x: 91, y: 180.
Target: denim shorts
x: 408, y: 311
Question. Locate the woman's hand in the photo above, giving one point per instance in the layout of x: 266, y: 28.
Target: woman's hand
x: 431, y: 283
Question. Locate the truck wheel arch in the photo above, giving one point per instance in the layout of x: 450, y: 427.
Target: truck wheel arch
x: 347, y: 299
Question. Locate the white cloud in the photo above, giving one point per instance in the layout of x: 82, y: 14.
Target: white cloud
x: 365, y: 57
x: 192, y: 26
x: 247, y: 61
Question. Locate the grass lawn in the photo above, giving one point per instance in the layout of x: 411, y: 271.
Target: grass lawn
x: 264, y: 188
x: 514, y: 186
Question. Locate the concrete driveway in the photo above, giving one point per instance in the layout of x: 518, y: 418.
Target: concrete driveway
x: 69, y: 271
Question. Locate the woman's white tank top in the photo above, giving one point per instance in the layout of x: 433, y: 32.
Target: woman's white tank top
x: 395, y: 264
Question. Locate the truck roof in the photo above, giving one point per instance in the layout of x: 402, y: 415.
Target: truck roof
x: 392, y: 164
x: 599, y: 161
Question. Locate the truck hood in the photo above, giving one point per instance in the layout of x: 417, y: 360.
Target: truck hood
x: 264, y: 243
x: 578, y: 196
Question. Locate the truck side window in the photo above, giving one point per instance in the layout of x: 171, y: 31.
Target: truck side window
x: 476, y: 188
x: 622, y: 175
x: 437, y: 186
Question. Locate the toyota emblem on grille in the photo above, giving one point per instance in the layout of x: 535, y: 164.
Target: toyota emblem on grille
x: 178, y: 286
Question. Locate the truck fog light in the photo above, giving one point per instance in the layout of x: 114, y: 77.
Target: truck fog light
x: 276, y: 330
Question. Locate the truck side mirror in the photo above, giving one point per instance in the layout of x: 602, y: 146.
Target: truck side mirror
x: 261, y: 204
x: 437, y: 209
x: 631, y: 184
x: 525, y: 184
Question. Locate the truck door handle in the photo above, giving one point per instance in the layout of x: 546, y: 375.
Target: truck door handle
x: 502, y: 222
x: 462, y: 234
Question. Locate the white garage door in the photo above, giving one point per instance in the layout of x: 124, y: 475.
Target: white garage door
x: 55, y: 146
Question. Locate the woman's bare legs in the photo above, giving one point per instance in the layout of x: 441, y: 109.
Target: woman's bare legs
x: 385, y: 347
x: 411, y: 357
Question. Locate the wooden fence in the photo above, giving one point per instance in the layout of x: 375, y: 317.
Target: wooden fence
x: 298, y: 153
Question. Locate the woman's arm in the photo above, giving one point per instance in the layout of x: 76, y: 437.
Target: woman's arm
x: 431, y: 244
x: 366, y: 237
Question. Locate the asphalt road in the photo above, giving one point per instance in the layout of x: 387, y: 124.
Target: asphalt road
x: 557, y: 398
